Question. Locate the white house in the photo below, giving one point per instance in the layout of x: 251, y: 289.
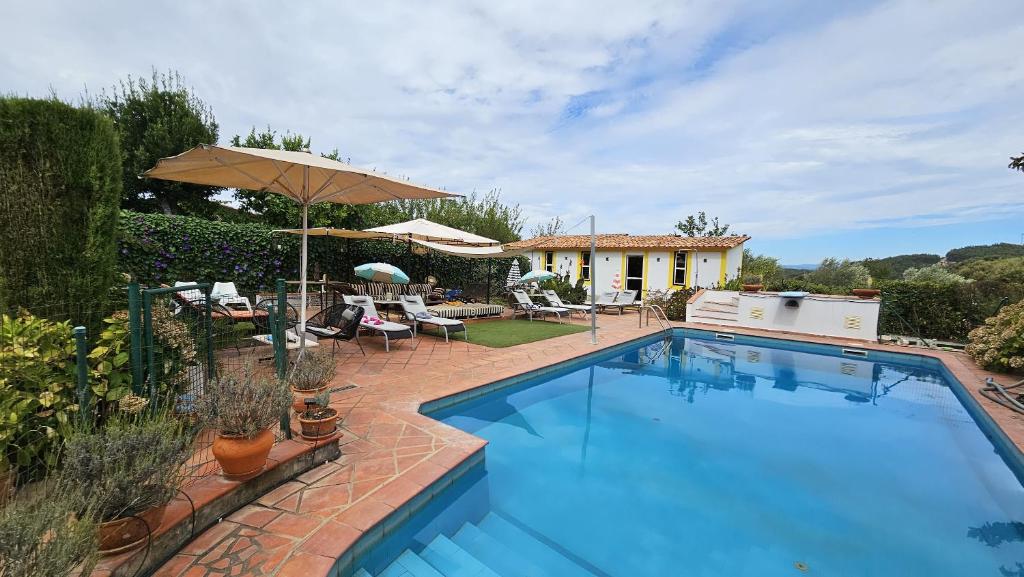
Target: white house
x: 640, y: 262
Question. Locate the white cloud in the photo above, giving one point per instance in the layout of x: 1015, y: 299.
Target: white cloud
x: 787, y: 120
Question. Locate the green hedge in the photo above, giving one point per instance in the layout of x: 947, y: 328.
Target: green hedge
x: 60, y: 188
x: 157, y: 248
x: 941, y: 311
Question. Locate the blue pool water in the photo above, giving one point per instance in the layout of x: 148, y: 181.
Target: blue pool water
x: 712, y: 458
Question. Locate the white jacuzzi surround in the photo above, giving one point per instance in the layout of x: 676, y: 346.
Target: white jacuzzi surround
x: 828, y: 315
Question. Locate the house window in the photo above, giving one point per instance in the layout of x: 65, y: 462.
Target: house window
x: 585, y: 265
x: 679, y: 269
x: 549, y: 261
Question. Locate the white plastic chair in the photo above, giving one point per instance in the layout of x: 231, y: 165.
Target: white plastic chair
x: 225, y: 293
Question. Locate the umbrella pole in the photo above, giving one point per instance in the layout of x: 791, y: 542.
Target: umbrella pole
x: 302, y: 263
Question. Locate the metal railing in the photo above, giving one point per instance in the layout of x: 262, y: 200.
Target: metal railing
x: 659, y: 315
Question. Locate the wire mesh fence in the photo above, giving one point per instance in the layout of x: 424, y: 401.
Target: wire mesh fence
x: 68, y: 365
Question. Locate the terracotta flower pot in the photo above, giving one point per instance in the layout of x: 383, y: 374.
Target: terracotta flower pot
x: 318, y: 428
x: 128, y: 533
x: 299, y: 397
x: 866, y: 293
x: 242, y: 458
x: 752, y: 288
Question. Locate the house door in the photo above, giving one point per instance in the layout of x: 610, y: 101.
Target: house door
x: 635, y: 272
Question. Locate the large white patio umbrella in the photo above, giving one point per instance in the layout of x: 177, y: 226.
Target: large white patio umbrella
x: 303, y: 177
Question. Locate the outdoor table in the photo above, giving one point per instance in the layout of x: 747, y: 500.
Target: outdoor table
x: 386, y: 306
x: 289, y: 345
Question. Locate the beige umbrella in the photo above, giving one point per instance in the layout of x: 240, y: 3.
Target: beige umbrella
x: 303, y: 177
x: 423, y: 229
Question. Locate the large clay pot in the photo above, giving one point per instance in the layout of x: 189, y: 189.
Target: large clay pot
x: 752, y: 288
x: 242, y: 458
x: 299, y: 397
x: 319, y: 428
x: 866, y: 293
x: 128, y: 533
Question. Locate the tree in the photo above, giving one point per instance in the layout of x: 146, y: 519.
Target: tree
x: 935, y: 273
x: 275, y: 209
x: 699, y: 226
x: 1017, y: 163
x: 553, y: 227
x: 156, y: 119
x: 484, y: 215
x: 841, y: 274
x: 1008, y: 270
x: 764, y: 266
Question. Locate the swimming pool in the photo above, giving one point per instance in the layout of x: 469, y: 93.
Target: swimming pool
x: 698, y: 456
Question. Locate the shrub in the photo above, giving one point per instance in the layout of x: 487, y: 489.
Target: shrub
x: 127, y: 467
x: 243, y: 405
x: 999, y: 343
x: 39, y: 537
x: 672, y: 302
x: 927, y: 309
x: 1001, y: 270
x: 37, y: 391
x: 843, y: 274
x: 60, y: 188
x: 313, y: 371
x: 158, y: 248
x: 566, y: 291
x: 935, y: 273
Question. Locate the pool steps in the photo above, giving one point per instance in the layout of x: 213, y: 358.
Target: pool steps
x: 494, y: 547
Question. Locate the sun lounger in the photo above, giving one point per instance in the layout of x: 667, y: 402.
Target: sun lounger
x: 391, y: 331
x: 627, y: 299
x: 606, y: 300
x: 554, y: 300
x: 523, y: 303
x: 417, y: 312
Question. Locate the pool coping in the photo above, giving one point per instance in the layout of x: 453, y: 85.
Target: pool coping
x: 1005, y: 447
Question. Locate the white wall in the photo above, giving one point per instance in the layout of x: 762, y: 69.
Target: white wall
x: 816, y: 314
x: 705, y: 267
x: 734, y: 262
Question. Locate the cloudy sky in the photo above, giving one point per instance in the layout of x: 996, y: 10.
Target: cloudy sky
x: 819, y: 128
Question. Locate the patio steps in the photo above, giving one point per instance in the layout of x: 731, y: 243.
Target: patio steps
x: 494, y: 547
x: 722, y: 312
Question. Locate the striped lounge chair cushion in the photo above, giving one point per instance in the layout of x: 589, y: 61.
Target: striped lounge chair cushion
x: 466, y: 311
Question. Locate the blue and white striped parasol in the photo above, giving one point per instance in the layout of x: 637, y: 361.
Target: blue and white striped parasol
x: 381, y: 272
x: 537, y: 275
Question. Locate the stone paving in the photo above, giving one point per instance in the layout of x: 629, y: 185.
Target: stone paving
x: 390, y: 452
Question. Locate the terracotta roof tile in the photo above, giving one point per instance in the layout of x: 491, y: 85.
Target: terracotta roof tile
x: 631, y: 241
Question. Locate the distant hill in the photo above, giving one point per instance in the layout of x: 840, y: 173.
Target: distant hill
x: 985, y: 251
x: 892, y: 267
x: 800, y: 266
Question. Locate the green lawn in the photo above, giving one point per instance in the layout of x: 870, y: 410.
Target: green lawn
x: 508, y: 333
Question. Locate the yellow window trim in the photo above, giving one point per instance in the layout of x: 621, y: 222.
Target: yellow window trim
x: 721, y: 272
x: 672, y: 269
x: 579, y: 268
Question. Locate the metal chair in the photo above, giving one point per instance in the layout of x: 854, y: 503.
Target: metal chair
x: 337, y: 323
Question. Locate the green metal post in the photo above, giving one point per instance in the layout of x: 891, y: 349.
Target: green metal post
x: 135, y: 330
x: 83, y: 374
x: 281, y: 346
x: 147, y: 329
x: 208, y: 325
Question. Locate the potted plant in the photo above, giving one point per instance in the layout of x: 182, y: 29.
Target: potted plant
x: 866, y: 293
x: 318, y: 419
x: 310, y: 376
x: 752, y: 283
x: 242, y: 409
x: 126, y: 473
x: 41, y: 537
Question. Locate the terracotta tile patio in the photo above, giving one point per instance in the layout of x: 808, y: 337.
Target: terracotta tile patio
x: 390, y: 452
